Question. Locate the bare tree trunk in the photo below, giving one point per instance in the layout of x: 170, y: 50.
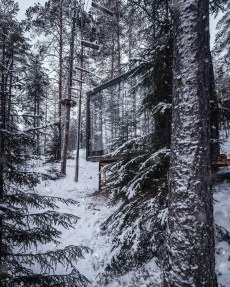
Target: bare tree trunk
x: 46, y: 122
x: 2, y: 145
x: 113, y: 58
x: 35, y: 119
x: 38, y: 124
x: 60, y: 85
x: 67, y: 120
x: 190, y: 246
x: 79, y: 120
x: 130, y: 33
x: 118, y: 30
x: 10, y: 91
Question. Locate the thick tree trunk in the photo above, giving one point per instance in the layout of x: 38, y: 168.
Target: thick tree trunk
x: 190, y: 245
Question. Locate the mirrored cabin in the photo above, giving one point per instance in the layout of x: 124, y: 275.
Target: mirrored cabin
x: 114, y: 116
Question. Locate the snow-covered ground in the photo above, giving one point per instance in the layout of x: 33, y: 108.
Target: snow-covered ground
x: 91, y: 209
x: 94, y: 210
x: 222, y: 219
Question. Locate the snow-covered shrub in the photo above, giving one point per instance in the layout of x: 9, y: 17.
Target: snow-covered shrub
x: 53, y: 173
x: 52, y: 148
x: 139, y: 171
x: 137, y: 228
x: 138, y: 231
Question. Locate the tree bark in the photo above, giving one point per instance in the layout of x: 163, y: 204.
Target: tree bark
x: 69, y: 91
x: 60, y: 82
x: 118, y: 32
x: 79, y: 119
x: 189, y: 259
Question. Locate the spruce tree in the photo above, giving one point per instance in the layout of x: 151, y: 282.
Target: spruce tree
x: 52, y: 20
x: 35, y: 89
x: 27, y: 219
x: 140, y: 178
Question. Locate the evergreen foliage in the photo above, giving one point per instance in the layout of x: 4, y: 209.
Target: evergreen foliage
x: 25, y: 226
x: 138, y: 229
x: 155, y: 72
x: 139, y: 184
x: 139, y: 172
x: 138, y: 226
x: 217, y: 6
x: 140, y: 177
x: 27, y: 220
x: 52, y: 146
x: 222, y: 41
x: 35, y: 90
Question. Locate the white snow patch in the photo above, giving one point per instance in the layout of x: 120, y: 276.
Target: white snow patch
x: 92, y: 210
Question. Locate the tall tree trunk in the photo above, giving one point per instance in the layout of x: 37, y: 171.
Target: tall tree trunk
x: 2, y: 145
x: 10, y: 91
x: 69, y: 91
x: 34, y: 119
x: 112, y: 58
x: 60, y: 83
x: 118, y: 30
x: 190, y: 245
x: 38, y: 151
x: 79, y: 118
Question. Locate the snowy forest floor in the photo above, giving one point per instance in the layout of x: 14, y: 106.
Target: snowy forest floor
x: 221, y: 190
x: 93, y: 210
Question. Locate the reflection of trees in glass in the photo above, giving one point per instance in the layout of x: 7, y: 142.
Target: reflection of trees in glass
x: 96, y: 123
x: 116, y: 116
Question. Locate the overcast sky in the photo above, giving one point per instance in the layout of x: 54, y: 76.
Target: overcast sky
x: 24, y: 4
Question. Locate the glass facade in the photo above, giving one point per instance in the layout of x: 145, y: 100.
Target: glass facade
x: 114, y: 115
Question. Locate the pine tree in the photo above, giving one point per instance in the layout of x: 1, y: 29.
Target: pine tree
x: 35, y: 89
x: 140, y: 178
x: 27, y: 219
x: 53, y: 21
x: 23, y: 230
x: 106, y: 31
x: 154, y: 87
x: 62, y: 23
